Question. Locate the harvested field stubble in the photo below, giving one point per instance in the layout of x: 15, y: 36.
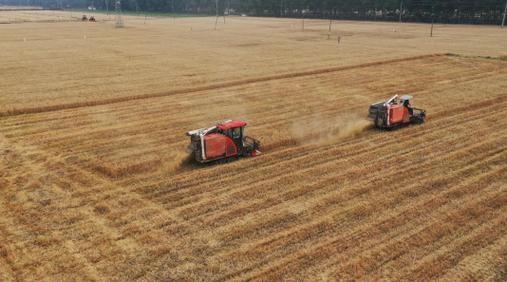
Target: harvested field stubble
x: 104, y: 189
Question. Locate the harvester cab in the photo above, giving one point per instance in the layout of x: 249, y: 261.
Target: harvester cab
x: 223, y: 142
x: 395, y: 112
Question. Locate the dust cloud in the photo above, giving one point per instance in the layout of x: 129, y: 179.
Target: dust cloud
x: 320, y: 130
x: 179, y: 161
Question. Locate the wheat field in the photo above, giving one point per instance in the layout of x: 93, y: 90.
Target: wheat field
x: 95, y: 182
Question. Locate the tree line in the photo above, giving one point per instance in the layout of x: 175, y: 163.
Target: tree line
x: 444, y: 11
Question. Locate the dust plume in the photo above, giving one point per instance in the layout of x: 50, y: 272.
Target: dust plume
x: 320, y: 130
x: 179, y: 161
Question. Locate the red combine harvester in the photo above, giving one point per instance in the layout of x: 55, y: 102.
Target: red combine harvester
x: 223, y: 142
x: 396, y: 112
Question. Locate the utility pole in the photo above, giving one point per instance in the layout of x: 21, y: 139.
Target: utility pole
x: 504, y: 14
x: 432, y: 18
x: 330, y: 25
x: 401, y: 9
x: 119, y: 19
x: 172, y: 11
x: 216, y: 9
x: 107, y: 8
x: 223, y: 13
x: 228, y: 9
x: 303, y: 16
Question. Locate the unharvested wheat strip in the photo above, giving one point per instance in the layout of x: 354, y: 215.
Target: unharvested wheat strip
x: 103, y: 130
x: 479, y: 76
x: 432, y: 80
x: 486, y: 264
x: 466, y: 85
x: 433, y: 93
x: 91, y: 136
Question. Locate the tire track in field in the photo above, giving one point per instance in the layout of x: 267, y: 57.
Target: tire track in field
x: 264, y: 189
x: 328, y: 249
x: 405, y: 236
x: 364, y: 187
x: 315, y: 189
x: 350, y: 206
x: 441, y: 232
x: 438, y: 261
x: 482, y: 265
x: 396, y: 247
x: 315, y: 227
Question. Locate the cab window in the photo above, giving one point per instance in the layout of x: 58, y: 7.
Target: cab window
x: 236, y: 132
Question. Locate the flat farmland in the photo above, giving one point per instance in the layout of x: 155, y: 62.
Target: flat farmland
x: 95, y: 183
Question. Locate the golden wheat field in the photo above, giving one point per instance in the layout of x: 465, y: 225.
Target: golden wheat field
x: 95, y: 183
